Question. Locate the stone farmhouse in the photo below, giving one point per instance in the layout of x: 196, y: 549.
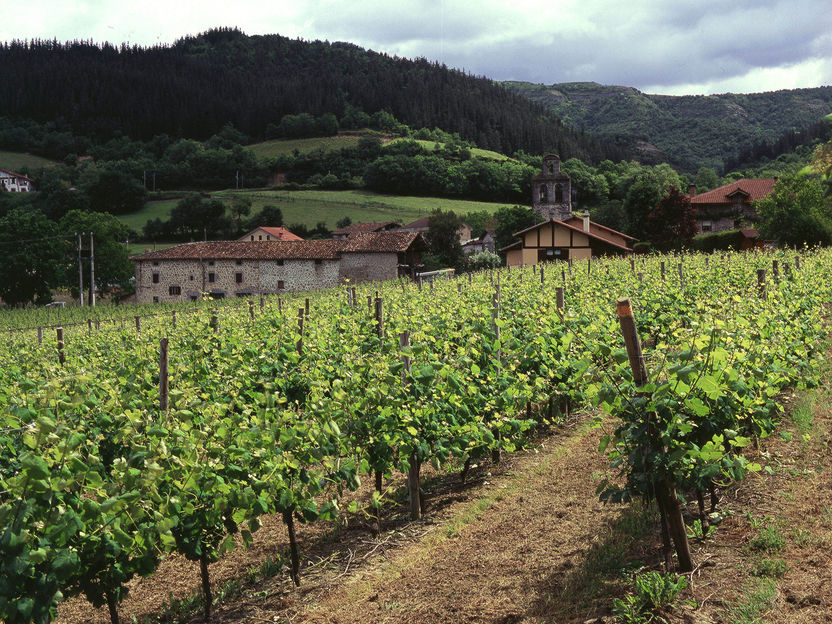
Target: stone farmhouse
x: 730, y: 206
x: 364, y: 228
x: 12, y: 182
x: 243, y: 268
x: 270, y: 234
x: 563, y: 235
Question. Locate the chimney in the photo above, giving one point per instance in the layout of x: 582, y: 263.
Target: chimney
x: 691, y: 189
x: 585, y: 218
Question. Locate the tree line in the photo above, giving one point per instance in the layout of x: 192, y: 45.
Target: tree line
x: 192, y: 88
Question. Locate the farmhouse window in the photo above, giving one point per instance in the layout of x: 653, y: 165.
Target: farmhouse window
x: 280, y: 285
x: 706, y: 226
x: 155, y: 263
x: 212, y: 277
x: 558, y: 194
x: 210, y: 263
x: 280, y: 263
x: 252, y: 237
x: 155, y: 299
x: 239, y: 263
x: 259, y: 238
x: 175, y: 290
x: 238, y: 277
x: 155, y: 278
x: 194, y: 297
x: 318, y: 261
x: 192, y: 278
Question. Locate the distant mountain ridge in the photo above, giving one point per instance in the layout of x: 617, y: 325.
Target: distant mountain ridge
x: 687, y: 131
x: 200, y: 83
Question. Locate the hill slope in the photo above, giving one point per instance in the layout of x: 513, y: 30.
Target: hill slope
x: 200, y: 83
x: 688, y: 131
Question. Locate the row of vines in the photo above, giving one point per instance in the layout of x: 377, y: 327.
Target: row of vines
x: 283, y: 408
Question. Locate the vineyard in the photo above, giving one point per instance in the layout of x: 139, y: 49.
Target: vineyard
x: 136, y: 433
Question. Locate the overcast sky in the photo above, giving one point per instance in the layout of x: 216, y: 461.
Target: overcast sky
x: 658, y: 46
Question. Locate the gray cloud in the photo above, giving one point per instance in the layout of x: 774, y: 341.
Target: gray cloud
x: 690, y: 45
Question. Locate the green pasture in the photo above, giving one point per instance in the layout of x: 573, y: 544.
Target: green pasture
x: 476, y: 152
x: 282, y: 147
x: 152, y: 210
x: 15, y: 161
x: 312, y: 207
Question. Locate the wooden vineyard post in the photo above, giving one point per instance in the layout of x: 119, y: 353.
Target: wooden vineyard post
x: 138, y: 324
x: 59, y: 331
x: 640, y: 277
x: 370, y: 304
x: 300, y: 330
x: 559, y: 297
x: 380, y: 321
x: 665, y: 491
x: 663, y: 271
x: 89, y: 327
x: 173, y: 319
x: 251, y: 309
x: 40, y: 336
x: 681, y: 277
x: 495, y: 316
x: 797, y: 263
x: 215, y: 322
x: 775, y: 270
x: 306, y: 306
x: 97, y: 325
x: 761, y: 282
x: 163, y: 374
x: 707, y: 262
x: 589, y: 266
x: 279, y: 306
x: 632, y: 265
x: 469, y: 278
x: 262, y: 303
x: 570, y: 268
x: 542, y: 279
x: 413, y: 461
x: 431, y: 286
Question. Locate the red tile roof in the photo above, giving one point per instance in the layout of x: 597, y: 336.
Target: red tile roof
x: 596, y: 235
x: 597, y: 228
x: 17, y: 175
x: 277, y: 233
x: 424, y: 222
x: 754, y: 188
x: 362, y: 228
x: 381, y: 242
x: 249, y: 250
x: 329, y: 249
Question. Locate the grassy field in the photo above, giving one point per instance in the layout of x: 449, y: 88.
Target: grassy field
x: 18, y: 160
x: 152, y: 210
x: 137, y: 248
x: 281, y: 147
x: 311, y: 207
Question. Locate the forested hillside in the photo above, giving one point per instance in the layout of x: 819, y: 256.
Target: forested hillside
x: 687, y: 131
x: 197, y: 85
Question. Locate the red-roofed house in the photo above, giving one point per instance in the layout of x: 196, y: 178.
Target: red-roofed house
x: 270, y: 234
x: 16, y: 182
x: 423, y: 225
x: 730, y: 206
x: 577, y: 238
x: 241, y: 268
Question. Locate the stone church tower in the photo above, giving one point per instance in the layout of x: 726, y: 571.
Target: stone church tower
x: 552, y: 191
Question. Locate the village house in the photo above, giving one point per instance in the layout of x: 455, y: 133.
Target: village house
x: 16, y: 182
x: 270, y: 234
x: 364, y: 228
x: 423, y: 225
x: 485, y: 242
x: 243, y: 268
x: 563, y: 235
x: 729, y: 207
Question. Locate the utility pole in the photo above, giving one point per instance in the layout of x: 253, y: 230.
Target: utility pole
x: 237, y: 179
x: 154, y: 181
x: 80, y: 273
x: 92, y: 273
